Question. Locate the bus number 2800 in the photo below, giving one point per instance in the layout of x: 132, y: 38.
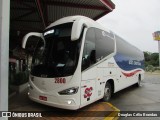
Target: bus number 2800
x: 60, y: 80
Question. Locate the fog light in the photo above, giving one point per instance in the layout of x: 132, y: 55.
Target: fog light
x: 28, y: 93
x: 69, y: 102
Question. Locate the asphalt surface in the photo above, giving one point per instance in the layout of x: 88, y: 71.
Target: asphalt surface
x: 144, y: 98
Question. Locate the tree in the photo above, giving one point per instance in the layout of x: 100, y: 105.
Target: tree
x: 151, y: 59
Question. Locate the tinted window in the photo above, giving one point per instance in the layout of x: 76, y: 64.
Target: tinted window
x: 104, y: 44
x: 89, y: 53
x: 128, y: 57
x: 59, y: 55
x: 127, y: 49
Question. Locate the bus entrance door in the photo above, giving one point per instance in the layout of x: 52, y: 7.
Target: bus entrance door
x: 100, y: 83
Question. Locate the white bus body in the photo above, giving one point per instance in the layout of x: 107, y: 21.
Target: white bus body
x: 78, y: 62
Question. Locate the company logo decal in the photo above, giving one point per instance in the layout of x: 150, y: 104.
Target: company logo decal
x: 131, y: 73
x: 129, y: 63
x: 88, y: 93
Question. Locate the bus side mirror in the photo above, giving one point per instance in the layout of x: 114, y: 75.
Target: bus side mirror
x: 77, y: 29
x: 25, y: 38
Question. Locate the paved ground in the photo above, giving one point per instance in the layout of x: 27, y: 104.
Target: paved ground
x: 145, y: 98
x: 95, y: 111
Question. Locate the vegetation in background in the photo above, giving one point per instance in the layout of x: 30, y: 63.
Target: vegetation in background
x: 151, y: 61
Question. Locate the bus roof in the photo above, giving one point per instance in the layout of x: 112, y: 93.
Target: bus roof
x: 88, y: 21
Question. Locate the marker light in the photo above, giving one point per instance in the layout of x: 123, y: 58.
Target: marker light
x: 69, y: 91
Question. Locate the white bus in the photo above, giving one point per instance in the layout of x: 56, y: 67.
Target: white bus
x: 78, y: 62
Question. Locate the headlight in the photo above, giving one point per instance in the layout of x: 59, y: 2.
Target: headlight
x: 69, y: 91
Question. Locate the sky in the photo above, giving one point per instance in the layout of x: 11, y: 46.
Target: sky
x: 135, y: 21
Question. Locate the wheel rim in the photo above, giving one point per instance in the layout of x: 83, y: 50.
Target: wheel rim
x: 107, y: 93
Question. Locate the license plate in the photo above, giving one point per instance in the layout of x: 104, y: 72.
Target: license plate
x: 43, y: 98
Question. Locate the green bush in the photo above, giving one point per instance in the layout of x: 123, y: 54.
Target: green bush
x: 150, y: 68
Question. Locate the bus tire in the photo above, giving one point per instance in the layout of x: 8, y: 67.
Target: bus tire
x: 107, y: 92
x: 139, y: 81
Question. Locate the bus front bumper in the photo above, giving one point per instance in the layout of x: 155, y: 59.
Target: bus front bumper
x: 64, y: 102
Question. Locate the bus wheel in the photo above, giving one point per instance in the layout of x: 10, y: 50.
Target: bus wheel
x: 107, y: 92
x: 139, y: 81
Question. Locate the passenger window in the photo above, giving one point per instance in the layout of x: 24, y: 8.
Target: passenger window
x: 89, y: 52
x: 104, y: 44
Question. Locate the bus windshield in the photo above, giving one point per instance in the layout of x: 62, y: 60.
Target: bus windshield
x: 58, y: 56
